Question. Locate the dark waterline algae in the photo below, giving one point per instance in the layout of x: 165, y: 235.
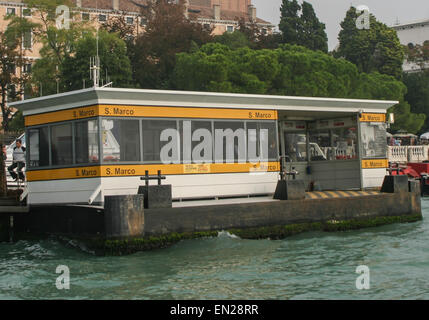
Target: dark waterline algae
x: 312, y: 265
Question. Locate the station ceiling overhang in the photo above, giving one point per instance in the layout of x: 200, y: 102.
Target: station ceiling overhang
x: 309, y: 107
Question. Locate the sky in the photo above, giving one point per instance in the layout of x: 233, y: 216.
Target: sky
x: 332, y: 12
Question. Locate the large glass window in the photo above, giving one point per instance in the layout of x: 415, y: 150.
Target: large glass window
x: 295, y: 146
x: 38, y: 147
x: 121, y: 140
x: 86, y: 142
x: 61, y: 144
x: 230, y: 142
x: 197, y: 141
x: 333, y: 144
x: 156, y: 135
x: 262, y: 141
x: 373, y: 140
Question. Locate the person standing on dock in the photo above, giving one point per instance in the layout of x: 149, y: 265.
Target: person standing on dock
x: 18, y: 161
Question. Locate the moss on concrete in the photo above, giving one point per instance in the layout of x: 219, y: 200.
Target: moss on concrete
x: 101, y: 246
x: 280, y: 232
x: 129, y: 246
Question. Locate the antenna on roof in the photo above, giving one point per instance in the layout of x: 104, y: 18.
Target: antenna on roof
x: 95, y: 61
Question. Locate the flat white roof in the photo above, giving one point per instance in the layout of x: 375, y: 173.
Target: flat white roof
x: 144, y: 97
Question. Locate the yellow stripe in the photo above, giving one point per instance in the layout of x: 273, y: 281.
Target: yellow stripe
x: 354, y: 193
x: 149, y: 111
x: 139, y: 170
x: 334, y: 194
x: 322, y: 194
x: 311, y: 195
x: 344, y: 194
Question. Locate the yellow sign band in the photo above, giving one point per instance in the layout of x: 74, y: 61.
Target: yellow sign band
x: 149, y: 112
x: 375, y: 164
x: 139, y: 170
x: 372, y: 117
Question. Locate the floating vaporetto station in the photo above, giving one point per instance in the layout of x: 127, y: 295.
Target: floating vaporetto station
x: 324, y: 162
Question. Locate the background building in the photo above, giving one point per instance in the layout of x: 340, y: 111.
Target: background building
x: 416, y: 32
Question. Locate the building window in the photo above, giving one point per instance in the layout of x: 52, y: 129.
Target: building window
x: 86, y: 142
x: 61, y: 144
x: 143, y: 22
x: 206, y: 26
x: 120, y: 141
x: 264, y: 31
x: 12, y: 68
x: 130, y: 20
x: 27, y: 68
x: 102, y: 18
x: 27, y: 41
x: 85, y: 16
x: 10, y: 11
x: 39, y: 147
x: 26, y: 12
x: 230, y: 28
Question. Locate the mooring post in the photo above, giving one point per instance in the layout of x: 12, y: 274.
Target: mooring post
x: 11, y: 229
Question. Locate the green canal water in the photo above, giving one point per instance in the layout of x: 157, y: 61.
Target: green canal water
x: 308, y: 266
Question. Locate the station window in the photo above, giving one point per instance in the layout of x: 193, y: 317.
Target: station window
x: 334, y: 144
x: 158, y: 134
x: 121, y: 140
x: 196, y: 141
x: 229, y: 142
x: 38, y: 147
x: 86, y: 142
x: 62, y: 144
x: 295, y: 146
x: 262, y: 141
x: 373, y: 140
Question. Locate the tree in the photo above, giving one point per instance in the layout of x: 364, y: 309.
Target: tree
x: 418, y: 94
x: 168, y: 32
x: 375, y: 49
x: 290, y: 22
x: 288, y: 70
x: 114, y: 62
x: 233, y: 40
x: 313, y: 35
x: 305, y: 30
x: 56, y: 43
x: 11, y: 85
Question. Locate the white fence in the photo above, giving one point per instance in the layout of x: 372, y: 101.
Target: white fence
x: 406, y: 154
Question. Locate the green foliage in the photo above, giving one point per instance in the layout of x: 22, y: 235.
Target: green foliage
x: 288, y: 70
x: 233, y: 40
x: 418, y: 94
x: 17, y: 123
x: 375, y: 50
x: 305, y: 30
x: 114, y: 62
